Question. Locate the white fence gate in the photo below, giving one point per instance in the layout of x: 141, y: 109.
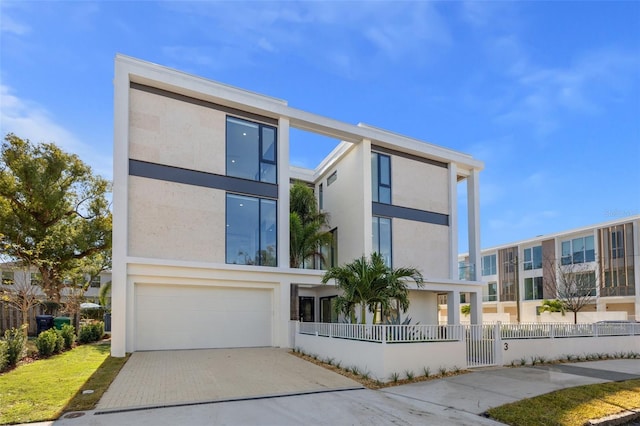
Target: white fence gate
x: 482, y: 343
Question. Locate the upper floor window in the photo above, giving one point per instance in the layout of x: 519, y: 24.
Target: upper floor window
x: 332, y: 178
x: 251, y: 150
x: 578, y: 250
x: 382, y: 238
x: 7, y: 277
x: 617, y: 245
x: 381, y: 178
x: 489, y: 264
x: 251, y: 232
x: 533, y: 258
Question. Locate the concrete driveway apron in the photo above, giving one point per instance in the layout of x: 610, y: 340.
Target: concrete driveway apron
x: 165, y: 378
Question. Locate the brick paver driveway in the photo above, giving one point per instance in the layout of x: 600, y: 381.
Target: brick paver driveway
x: 189, y: 376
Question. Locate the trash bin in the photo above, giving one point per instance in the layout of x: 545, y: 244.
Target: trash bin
x: 58, y: 322
x: 43, y: 322
x: 107, y: 322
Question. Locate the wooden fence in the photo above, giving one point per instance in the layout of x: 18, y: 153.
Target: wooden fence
x: 11, y: 317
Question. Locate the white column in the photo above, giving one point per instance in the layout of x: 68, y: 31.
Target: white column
x: 119, y: 317
x: 283, y: 338
x: 366, y: 213
x: 473, y: 211
x: 453, y: 307
x: 283, y: 194
x: 476, y: 307
x: 636, y: 265
x: 453, y: 221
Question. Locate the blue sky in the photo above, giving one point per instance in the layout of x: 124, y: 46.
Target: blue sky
x: 547, y: 94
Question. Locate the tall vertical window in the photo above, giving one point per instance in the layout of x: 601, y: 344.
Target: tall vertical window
x: 320, y: 197
x: 251, y: 150
x: 533, y: 258
x: 533, y: 288
x: 251, y: 231
x: 617, y: 244
x: 489, y: 264
x: 381, y: 178
x: 382, y: 238
x: 578, y: 250
x: 330, y: 252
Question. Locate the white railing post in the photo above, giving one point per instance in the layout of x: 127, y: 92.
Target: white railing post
x: 595, y: 330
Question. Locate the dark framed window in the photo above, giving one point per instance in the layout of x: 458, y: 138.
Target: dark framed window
x: 330, y: 251
x: 382, y: 238
x: 489, y: 264
x: 95, y: 282
x: 578, y: 250
x: 380, y: 178
x: 251, y: 150
x: 533, y: 288
x: 251, y: 231
x: 327, y: 309
x: 533, y: 258
x: 320, y: 197
x: 332, y: 178
x: 617, y: 245
x: 307, y: 308
x: 491, y: 292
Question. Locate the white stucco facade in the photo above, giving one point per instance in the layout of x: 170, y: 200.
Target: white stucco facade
x: 176, y: 282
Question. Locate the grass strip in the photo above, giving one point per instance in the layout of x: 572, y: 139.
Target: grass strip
x: 42, y: 390
x: 572, y: 406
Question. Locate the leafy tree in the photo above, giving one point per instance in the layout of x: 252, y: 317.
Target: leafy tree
x: 573, y: 285
x: 307, y: 226
x: 54, y: 213
x: 370, y: 283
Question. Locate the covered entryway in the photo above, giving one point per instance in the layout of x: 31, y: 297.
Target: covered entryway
x: 199, y: 317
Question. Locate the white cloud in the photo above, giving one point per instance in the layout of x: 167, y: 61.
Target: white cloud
x: 371, y: 35
x: 29, y: 120
x: 8, y: 25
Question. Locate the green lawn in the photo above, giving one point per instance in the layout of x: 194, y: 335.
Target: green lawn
x: 573, y: 406
x: 46, y: 388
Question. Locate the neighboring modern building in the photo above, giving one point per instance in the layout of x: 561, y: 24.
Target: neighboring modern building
x: 519, y: 276
x: 201, y: 213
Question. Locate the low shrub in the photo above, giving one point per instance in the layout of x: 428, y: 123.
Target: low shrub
x: 68, y: 334
x: 4, y: 360
x: 16, y: 341
x: 47, y: 342
x: 91, y: 332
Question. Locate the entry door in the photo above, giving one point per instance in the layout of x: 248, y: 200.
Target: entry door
x: 307, y: 313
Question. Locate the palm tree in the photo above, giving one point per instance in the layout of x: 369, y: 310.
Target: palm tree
x: 370, y: 283
x: 307, y: 226
x: 305, y: 240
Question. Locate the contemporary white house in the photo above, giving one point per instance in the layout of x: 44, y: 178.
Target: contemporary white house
x: 201, y: 214
x: 517, y: 278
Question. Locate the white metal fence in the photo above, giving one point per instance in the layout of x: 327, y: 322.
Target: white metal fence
x: 483, y: 342
x: 385, y: 333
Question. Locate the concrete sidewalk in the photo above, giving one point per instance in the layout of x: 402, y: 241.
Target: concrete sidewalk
x: 456, y: 400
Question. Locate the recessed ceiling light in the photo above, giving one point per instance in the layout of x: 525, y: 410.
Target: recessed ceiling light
x: 244, y: 134
x: 241, y: 205
x: 233, y: 161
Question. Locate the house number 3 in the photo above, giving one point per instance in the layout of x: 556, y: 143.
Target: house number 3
x: 506, y: 346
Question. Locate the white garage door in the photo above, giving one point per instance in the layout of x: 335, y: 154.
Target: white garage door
x: 194, y: 317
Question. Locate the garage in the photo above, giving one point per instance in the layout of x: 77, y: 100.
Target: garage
x: 199, y: 317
